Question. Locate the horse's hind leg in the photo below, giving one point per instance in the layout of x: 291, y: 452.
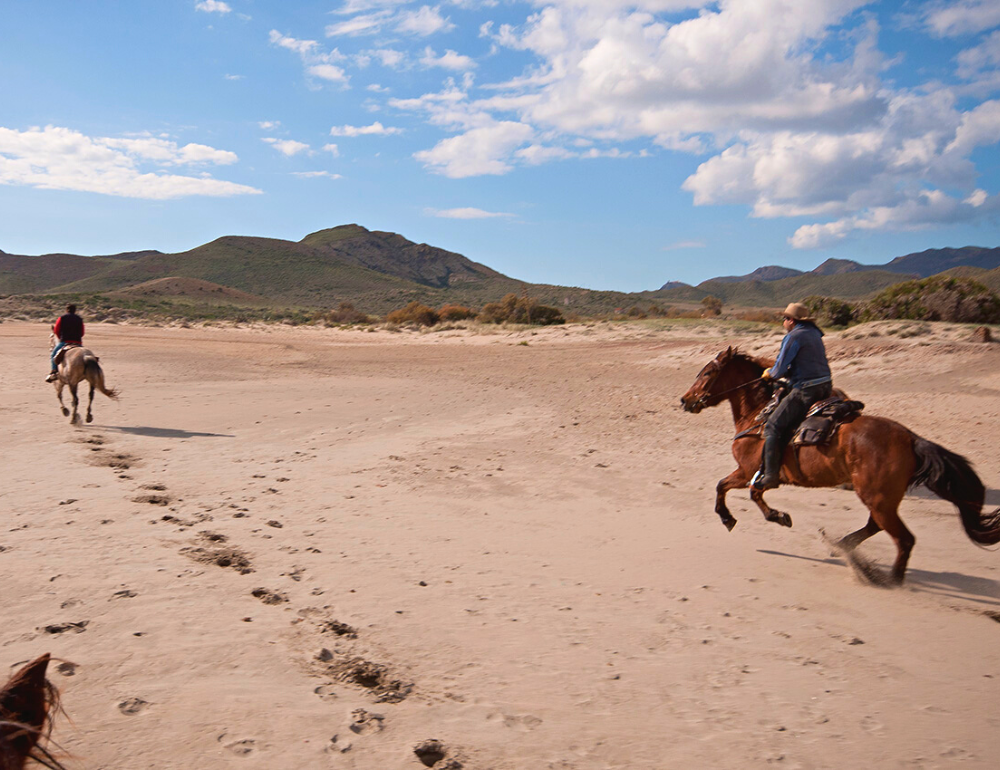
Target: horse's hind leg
x: 770, y: 513
x: 848, y: 543
x: 90, y: 403
x: 734, y: 480
x: 883, y: 503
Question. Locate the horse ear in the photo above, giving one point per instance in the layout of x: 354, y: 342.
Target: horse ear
x: 725, y: 355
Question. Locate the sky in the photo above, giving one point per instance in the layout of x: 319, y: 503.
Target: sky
x: 608, y: 144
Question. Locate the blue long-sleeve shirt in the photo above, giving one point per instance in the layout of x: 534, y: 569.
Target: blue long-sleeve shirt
x: 802, y: 357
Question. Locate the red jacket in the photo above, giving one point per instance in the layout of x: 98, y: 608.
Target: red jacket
x: 69, y: 328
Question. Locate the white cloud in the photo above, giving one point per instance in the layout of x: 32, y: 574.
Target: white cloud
x: 328, y: 72
x: 423, y: 22
x: 448, y: 60
x: 389, y: 57
x: 466, y: 213
x: 366, y: 24
x: 288, y: 147
x: 376, y: 88
x: 478, y: 151
x: 227, y: 76
x: 212, y: 6
x: 332, y: 149
x: 357, y: 6
x: 56, y: 158
x: 269, y: 125
x: 537, y: 154
x: 318, y: 63
x: 375, y: 129
x: 961, y: 18
x: 316, y: 174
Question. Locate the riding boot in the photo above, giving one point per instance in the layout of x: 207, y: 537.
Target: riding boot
x: 53, y: 376
x: 771, y: 468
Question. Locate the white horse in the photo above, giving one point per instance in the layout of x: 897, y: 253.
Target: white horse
x: 76, y: 365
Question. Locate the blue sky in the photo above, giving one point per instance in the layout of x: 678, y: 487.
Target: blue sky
x: 611, y: 144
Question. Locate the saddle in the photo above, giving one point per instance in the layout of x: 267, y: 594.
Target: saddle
x: 818, y: 427
x: 62, y: 353
x: 823, y: 419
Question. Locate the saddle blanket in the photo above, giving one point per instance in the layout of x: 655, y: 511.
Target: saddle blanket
x: 822, y: 420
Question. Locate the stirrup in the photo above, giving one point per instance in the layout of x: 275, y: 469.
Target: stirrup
x: 53, y: 376
x: 757, y: 482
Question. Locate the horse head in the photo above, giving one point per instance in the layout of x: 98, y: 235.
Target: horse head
x: 728, y: 371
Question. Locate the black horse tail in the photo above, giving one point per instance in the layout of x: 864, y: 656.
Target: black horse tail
x: 951, y: 477
x: 95, y: 375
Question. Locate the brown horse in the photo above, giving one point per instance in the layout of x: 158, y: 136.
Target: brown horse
x: 26, y: 705
x: 880, y: 458
x: 79, y: 364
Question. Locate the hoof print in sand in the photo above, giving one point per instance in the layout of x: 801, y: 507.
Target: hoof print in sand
x: 268, y: 596
x: 132, y: 706
x: 337, y: 628
x: 365, y: 723
x: 371, y: 676
x: 242, y: 748
x: 66, y: 668
x: 152, y: 499
x: 120, y: 461
x: 433, y: 753
x: 62, y: 628
x: 230, y: 558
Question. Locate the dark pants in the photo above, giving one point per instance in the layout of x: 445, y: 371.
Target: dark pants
x: 792, y: 411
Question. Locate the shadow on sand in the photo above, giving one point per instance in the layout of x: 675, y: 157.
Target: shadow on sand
x: 165, y: 432
x: 954, y: 584
x: 992, y: 495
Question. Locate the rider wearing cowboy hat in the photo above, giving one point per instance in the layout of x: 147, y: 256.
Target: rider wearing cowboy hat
x: 802, y: 359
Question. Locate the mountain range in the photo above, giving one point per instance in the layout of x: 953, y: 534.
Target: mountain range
x: 380, y: 271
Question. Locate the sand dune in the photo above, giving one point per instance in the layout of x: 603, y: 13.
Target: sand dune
x: 306, y: 548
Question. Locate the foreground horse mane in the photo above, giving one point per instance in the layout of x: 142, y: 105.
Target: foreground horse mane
x: 27, y: 703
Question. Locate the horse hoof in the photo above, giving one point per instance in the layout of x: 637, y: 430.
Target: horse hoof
x: 730, y: 523
x: 782, y: 519
x: 90, y: 418
x: 65, y: 412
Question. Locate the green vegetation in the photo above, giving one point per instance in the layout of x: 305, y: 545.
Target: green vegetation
x: 938, y: 298
x: 520, y: 310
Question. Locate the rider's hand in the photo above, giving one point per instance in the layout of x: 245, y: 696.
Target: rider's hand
x: 766, y: 375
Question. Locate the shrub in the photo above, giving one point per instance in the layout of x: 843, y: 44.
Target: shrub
x: 344, y: 314
x: 937, y: 298
x: 712, y: 305
x: 830, y: 311
x: 520, y: 310
x: 455, y: 313
x: 414, y: 313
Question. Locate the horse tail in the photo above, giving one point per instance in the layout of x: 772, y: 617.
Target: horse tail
x: 95, y: 375
x: 951, y: 477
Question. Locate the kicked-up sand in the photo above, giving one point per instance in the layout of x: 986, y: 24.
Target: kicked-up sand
x: 307, y: 548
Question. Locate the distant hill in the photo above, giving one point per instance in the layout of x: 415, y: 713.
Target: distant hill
x: 381, y: 271
x: 768, y: 273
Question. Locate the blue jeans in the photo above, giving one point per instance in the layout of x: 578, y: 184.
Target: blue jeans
x: 52, y: 356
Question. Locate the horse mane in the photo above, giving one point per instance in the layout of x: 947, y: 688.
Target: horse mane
x: 760, y: 363
x: 27, y: 703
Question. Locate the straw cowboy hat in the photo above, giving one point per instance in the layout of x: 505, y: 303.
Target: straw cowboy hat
x: 797, y: 312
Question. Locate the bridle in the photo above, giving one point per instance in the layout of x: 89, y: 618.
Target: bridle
x: 703, y: 400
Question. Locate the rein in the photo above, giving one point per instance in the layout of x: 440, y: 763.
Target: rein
x: 703, y: 400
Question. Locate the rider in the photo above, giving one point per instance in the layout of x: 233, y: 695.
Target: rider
x: 69, y: 331
x: 802, y: 358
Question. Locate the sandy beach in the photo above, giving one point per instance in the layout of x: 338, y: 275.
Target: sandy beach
x: 318, y: 548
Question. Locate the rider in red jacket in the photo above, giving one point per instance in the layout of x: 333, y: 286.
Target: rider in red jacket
x: 69, y: 331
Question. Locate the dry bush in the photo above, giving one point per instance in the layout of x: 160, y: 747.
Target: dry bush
x: 758, y: 316
x: 346, y: 313
x: 455, y: 313
x: 520, y: 310
x: 414, y: 313
x: 712, y: 305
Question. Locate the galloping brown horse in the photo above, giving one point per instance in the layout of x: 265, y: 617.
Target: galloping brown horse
x: 880, y: 458
x: 79, y: 364
x: 26, y: 705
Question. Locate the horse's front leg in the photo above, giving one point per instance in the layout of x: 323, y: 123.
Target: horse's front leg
x: 75, y: 419
x: 62, y: 405
x: 734, y: 480
x: 770, y: 514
